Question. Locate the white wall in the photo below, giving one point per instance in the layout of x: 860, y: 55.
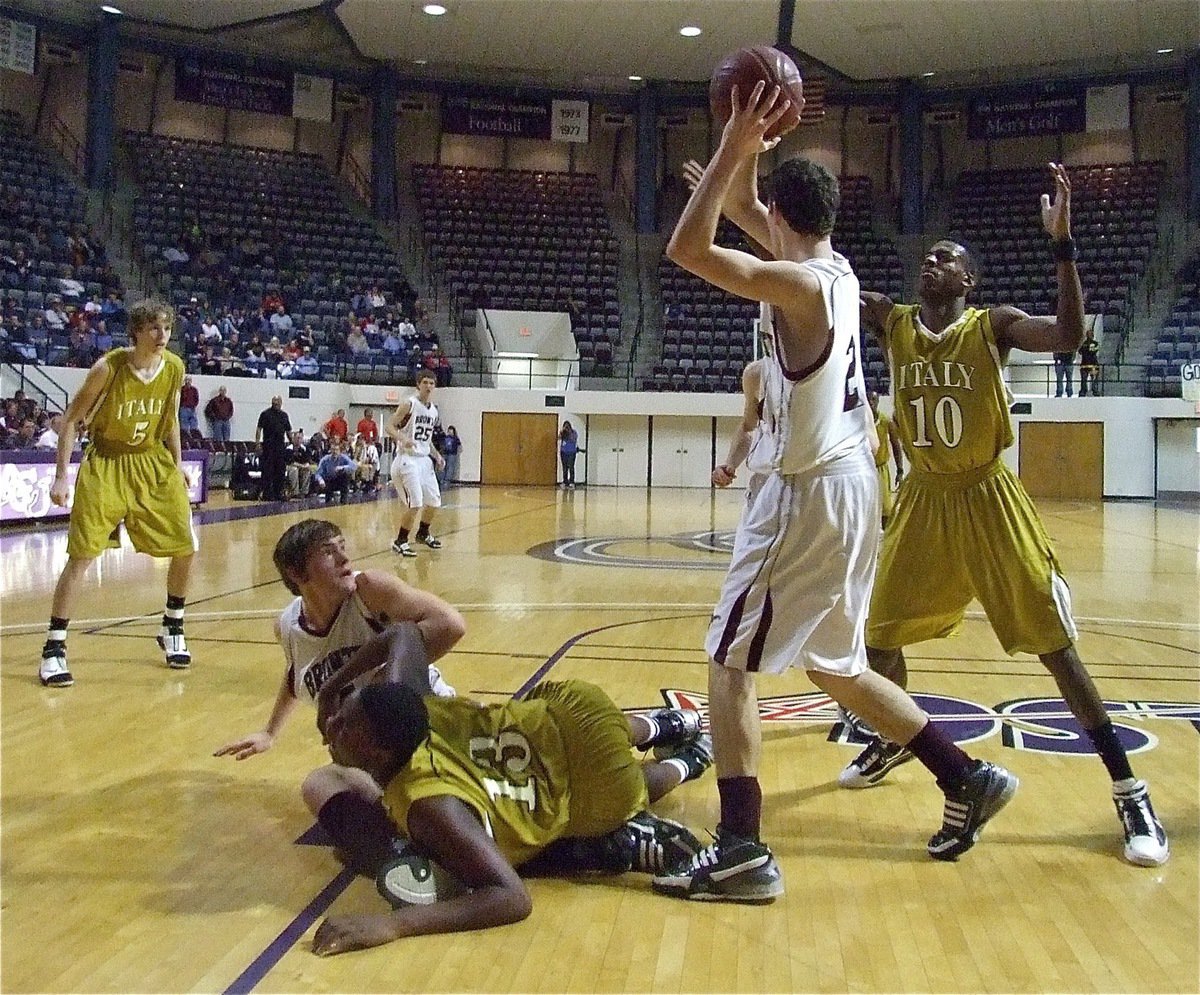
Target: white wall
x: 1178, y: 446
x: 1129, y: 422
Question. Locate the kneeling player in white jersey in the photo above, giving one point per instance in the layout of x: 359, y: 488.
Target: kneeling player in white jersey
x: 413, y: 476
x: 799, y: 582
x: 343, y: 625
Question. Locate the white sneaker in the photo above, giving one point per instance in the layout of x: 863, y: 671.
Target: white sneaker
x: 403, y: 548
x: 175, y: 647
x: 438, y: 685
x: 53, y: 671
x: 1145, y: 839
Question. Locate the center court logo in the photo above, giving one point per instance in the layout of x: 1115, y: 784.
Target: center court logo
x: 682, y: 551
x: 1034, y: 725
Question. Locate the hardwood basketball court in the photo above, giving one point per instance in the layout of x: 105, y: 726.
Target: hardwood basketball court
x: 135, y: 861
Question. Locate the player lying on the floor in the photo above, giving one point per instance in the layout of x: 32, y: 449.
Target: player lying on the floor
x: 547, y: 784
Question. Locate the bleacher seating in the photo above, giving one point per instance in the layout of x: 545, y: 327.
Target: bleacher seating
x: 1178, y: 340
x: 1113, y: 219
x: 525, y: 240
x: 40, y: 209
x: 708, y: 334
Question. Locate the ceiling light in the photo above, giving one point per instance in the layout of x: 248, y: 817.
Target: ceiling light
x: 926, y: 75
x: 635, y: 79
x: 1165, y: 51
x: 434, y: 9
x: 420, y: 62
x: 108, y: 8
x: 690, y: 31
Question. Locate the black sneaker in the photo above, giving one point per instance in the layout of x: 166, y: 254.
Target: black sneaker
x: 53, y: 672
x: 408, y: 878
x: 660, y: 844
x: 969, y: 806
x: 731, y: 869
x: 1145, y: 839
x: 872, y: 765
x: 696, y: 756
x: 432, y: 541
x: 676, y: 727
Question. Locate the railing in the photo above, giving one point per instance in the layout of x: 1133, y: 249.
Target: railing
x: 34, y: 378
x: 356, y: 176
x: 67, y: 144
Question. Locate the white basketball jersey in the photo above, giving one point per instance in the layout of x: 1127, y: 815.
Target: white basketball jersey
x: 820, y: 415
x: 416, y: 436
x: 313, y: 657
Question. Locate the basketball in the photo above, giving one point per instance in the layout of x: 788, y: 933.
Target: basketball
x: 743, y: 69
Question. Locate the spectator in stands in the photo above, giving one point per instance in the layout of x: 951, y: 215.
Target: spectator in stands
x: 445, y: 372
x: 356, y: 343
x: 103, y: 338
x: 176, y: 258
x: 416, y: 360
x: 292, y: 351
x: 1064, y: 362
x: 26, y: 437
x: 307, y: 365
x: 366, y: 458
x: 450, y: 448
x: 82, y: 351
x: 285, y: 369
x: 335, y: 472
x: 393, y: 344
x: 210, y: 362
x: 281, y: 322
x: 359, y: 303
x: 336, y: 429
x: 189, y: 401
x: 219, y: 413
x: 407, y: 329
x: 300, y: 465
x: 79, y: 248
x: 256, y: 357
x: 304, y: 337
x: 18, y: 263
x: 210, y: 332
x: 20, y: 342
x: 274, y: 351
x: 49, y: 437
x: 376, y: 299
x: 12, y: 416
x: 112, y: 309
x: 367, y: 428
x: 271, y: 300
x: 1089, y: 365
x: 56, y: 317
x: 92, y: 306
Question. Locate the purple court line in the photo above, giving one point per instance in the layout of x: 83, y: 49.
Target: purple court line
x: 245, y: 982
x: 290, y: 935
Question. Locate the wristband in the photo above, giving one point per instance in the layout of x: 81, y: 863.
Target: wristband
x: 1063, y: 250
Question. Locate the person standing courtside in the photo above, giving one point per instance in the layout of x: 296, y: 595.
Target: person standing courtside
x: 1089, y: 365
x: 219, y: 414
x: 568, y: 450
x: 132, y: 473
x: 799, y: 581
x: 964, y: 526
x: 411, y: 425
x: 271, y: 435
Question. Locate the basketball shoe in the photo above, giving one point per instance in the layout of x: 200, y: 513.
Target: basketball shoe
x: 403, y: 548
x: 430, y: 540
x: 730, y: 869
x: 175, y: 647
x: 52, y: 671
x: 969, y: 805
x: 1145, y: 839
x: 675, y: 727
x: 692, y: 758
x: 872, y: 765
x: 659, y: 844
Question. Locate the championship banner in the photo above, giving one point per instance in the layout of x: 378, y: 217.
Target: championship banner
x: 18, y: 46
x: 561, y: 120
x: 266, y: 91
x: 1058, y: 112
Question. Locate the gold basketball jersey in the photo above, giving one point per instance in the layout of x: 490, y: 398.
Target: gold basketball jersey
x: 951, y: 401
x: 133, y: 414
x: 884, y: 452
x: 505, y: 761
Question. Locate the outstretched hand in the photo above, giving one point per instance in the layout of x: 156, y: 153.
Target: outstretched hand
x: 692, y: 172
x: 1056, y: 214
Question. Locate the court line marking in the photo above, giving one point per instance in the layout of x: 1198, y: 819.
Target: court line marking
x: 23, y: 628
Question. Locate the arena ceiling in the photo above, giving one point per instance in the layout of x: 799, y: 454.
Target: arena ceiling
x: 598, y: 44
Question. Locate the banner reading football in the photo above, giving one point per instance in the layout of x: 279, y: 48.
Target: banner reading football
x: 562, y: 120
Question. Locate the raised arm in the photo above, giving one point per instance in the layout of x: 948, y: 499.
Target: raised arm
x: 1063, y: 331
x: 446, y: 830
x: 873, y: 311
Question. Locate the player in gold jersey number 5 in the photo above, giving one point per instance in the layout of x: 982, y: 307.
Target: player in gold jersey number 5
x: 131, y: 474
x: 964, y: 526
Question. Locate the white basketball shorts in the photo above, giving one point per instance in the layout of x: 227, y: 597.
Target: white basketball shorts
x: 799, y: 584
x: 415, y: 482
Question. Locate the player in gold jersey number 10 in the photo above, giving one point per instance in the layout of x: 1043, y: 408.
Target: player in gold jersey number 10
x: 947, y: 422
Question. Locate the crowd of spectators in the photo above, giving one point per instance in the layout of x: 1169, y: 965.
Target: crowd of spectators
x: 267, y: 340
x: 24, y: 424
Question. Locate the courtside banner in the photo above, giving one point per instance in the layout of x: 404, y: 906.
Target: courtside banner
x: 1060, y: 111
